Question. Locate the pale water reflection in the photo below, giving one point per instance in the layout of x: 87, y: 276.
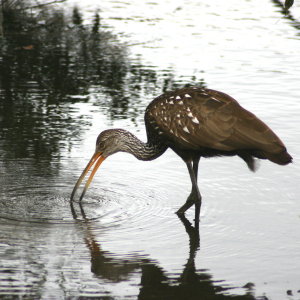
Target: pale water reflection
x: 124, y: 241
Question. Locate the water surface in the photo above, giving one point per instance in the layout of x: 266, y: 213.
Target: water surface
x: 124, y: 241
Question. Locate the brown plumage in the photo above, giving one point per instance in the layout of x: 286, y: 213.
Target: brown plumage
x: 212, y: 123
x: 194, y: 122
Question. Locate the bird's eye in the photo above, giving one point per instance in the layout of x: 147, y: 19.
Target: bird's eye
x: 101, y: 144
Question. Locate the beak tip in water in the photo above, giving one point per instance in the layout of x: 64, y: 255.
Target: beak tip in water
x: 96, y: 160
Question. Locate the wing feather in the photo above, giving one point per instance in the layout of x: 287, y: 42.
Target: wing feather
x: 204, y: 118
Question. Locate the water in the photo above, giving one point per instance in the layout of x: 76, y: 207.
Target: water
x: 124, y: 241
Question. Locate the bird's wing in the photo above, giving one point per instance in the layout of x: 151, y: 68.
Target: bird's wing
x: 203, y: 118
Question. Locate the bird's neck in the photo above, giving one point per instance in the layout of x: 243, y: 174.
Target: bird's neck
x: 141, y: 150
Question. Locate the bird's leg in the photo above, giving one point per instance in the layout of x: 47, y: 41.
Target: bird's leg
x: 195, y: 166
x: 195, y: 196
x: 196, y: 190
x: 195, y: 193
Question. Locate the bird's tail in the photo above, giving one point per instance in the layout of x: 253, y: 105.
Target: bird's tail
x: 281, y: 158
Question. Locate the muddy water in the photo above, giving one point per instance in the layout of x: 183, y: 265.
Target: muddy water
x: 124, y: 241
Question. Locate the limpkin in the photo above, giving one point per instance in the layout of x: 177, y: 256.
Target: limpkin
x: 194, y: 122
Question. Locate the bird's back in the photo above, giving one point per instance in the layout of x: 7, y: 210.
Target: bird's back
x: 212, y: 123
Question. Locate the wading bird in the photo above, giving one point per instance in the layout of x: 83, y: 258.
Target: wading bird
x: 194, y: 122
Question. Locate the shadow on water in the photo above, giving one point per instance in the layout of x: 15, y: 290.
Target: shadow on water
x: 44, y: 63
x: 191, y: 283
x: 48, y: 62
x: 287, y: 14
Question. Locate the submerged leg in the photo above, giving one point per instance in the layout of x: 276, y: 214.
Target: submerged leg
x: 195, y: 196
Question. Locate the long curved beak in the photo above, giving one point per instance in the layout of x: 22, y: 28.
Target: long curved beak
x: 96, y: 160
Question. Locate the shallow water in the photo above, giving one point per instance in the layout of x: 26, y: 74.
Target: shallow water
x: 124, y: 241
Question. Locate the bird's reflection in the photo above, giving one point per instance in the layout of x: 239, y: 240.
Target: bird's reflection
x: 194, y: 240
x: 155, y: 283
x: 104, y: 264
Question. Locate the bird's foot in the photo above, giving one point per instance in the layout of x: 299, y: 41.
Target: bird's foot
x: 191, y: 200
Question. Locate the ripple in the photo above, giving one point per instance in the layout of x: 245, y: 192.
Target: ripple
x: 126, y: 217
x: 35, y: 203
x: 110, y: 204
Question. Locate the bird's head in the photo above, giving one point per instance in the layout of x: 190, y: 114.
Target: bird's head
x: 108, y: 142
